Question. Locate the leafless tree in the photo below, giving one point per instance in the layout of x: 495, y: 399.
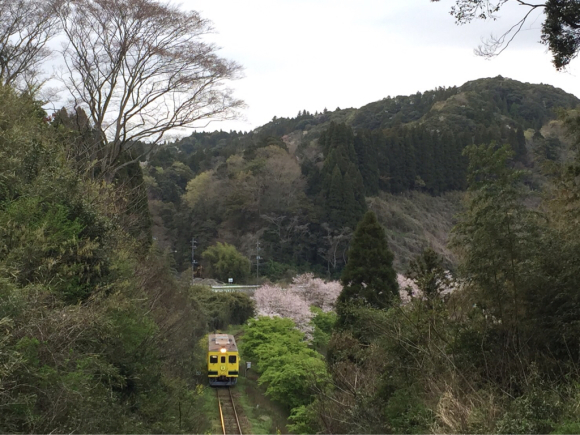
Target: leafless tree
x: 337, y: 243
x: 140, y: 68
x: 25, y: 28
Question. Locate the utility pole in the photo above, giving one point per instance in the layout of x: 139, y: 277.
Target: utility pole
x: 257, y: 260
x: 193, y: 259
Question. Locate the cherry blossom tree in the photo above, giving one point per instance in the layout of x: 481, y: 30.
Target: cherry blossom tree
x: 274, y: 301
x: 295, y: 301
x: 315, y: 291
x: 408, y: 288
x: 306, y: 291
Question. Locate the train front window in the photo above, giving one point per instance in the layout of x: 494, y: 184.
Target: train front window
x: 213, y: 359
x: 223, y: 359
x: 232, y: 359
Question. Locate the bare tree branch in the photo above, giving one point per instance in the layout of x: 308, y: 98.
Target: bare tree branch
x: 25, y: 28
x: 494, y: 46
x: 560, y: 29
x: 140, y: 68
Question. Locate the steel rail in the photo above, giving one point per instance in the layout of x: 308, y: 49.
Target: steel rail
x: 238, y: 426
x: 221, y: 414
x: 235, y: 412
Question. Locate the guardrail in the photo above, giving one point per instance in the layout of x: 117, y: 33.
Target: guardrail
x: 234, y: 288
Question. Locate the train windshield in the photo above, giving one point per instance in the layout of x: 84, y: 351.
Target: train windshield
x: 213, y: 359
x: 232, y: 359
x: 223, y: 359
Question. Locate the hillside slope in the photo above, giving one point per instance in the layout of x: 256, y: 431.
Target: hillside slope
x: 297, y: 185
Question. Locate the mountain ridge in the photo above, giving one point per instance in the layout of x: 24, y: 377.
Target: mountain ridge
x: 312, y: 172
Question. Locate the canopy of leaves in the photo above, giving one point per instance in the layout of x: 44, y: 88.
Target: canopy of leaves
x: 96, y: 332
x: 301, y: 194
x: 368, y: 278
x: 224, y: 309
x: 288, y: 367
x: 224, y: 262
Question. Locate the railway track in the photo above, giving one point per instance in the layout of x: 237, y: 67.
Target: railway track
x: 228, y: 414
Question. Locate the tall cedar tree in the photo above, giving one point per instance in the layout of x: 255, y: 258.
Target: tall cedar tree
x: 342, y: 184
x: 366, y: 150
x: 368, y: 278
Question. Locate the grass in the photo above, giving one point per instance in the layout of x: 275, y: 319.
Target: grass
x: 263, y: 416
x: 210, y: 409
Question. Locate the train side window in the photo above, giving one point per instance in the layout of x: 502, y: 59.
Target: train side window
x: 223, y: 359
x: 232, y: 359
x: 213, y: 359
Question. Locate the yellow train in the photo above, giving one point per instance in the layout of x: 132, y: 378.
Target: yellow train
x: 223, y: 360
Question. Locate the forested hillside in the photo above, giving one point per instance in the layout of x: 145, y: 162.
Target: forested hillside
x: 97, y: 334
x: 298, y: 186
x: 419, y: 257
x: 491, y: 348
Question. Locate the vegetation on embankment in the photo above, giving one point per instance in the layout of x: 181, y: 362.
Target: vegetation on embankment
x: 498, y: 353
x: 98, y: 335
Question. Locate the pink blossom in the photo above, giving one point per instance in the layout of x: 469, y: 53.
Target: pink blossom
x: 272, y: 300
x: 316, y: 292
x: 408, y: 288
x: 295, y: 301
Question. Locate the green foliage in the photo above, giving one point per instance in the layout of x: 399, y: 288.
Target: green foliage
x: 45, y: 243
x: 429, y: 275
x: 252, y: 185
x: 406, y: 412
x: 303, y: 420
x: 96, y: 333
x: 224, y: 261
x: 276, y: 271
x: 368, y: 278
x: 290, y: 370
x: 497, y: 236
x: 323, y: 324
x: 342, y: 183
x: 291, y: 377
x: 23, y: 136
x: 535, y: 411
x: 268, y: 336
x: 224, y: 309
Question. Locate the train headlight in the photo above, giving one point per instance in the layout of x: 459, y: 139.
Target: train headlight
x: 223, y: 350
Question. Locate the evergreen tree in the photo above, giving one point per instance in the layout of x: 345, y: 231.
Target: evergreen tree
x: 409, y: 161
x: 366, y: 151
x: 368, y: 278
x: 335, y: 199
x: 359, y: 193
x: 343, y: 191
x: 394, y: 151
x: 497, y: 236
x: 429, y: 275
x: 518, y: 142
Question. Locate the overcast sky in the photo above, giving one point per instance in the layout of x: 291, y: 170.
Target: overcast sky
x: 316, y: 54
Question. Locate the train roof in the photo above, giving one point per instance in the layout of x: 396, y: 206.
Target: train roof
x: 217, y: 341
